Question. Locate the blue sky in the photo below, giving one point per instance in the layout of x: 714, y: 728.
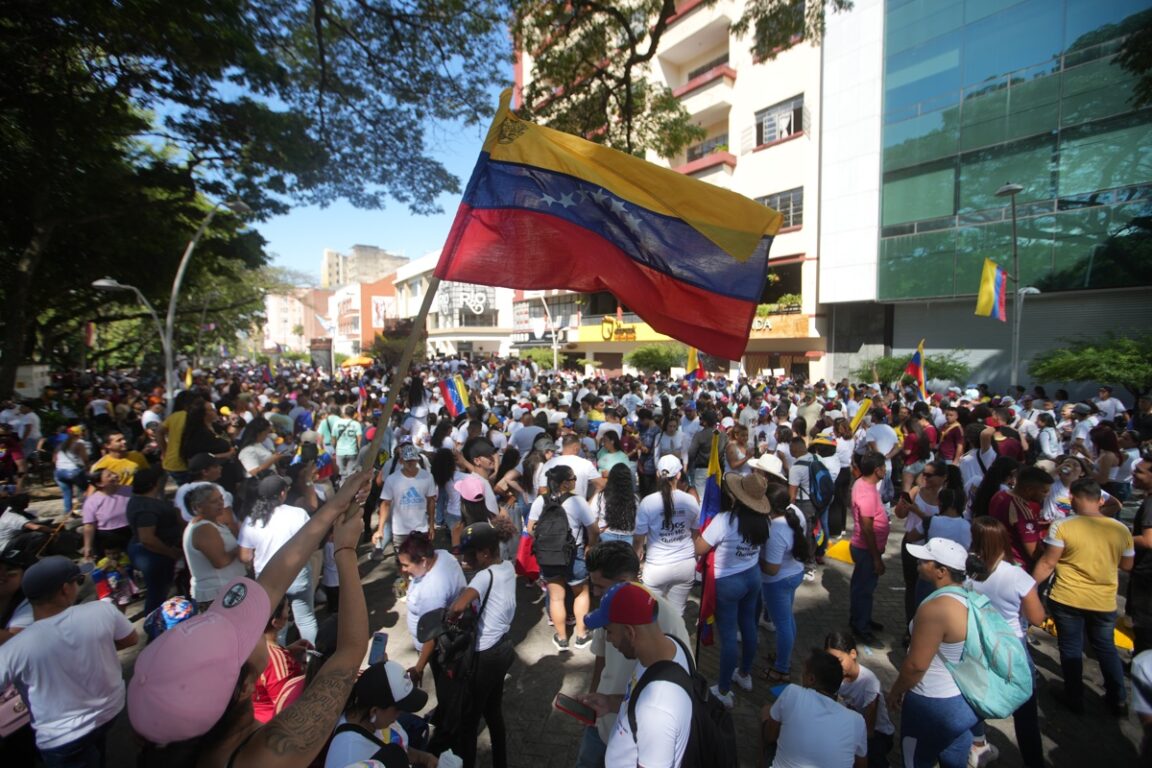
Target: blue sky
x: 298, y: 239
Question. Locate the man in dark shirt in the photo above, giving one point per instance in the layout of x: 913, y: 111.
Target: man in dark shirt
x: 1140, y: 581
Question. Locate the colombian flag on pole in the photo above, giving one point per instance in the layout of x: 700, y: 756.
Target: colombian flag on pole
x: 915, y: 369
x: 993, y: 286
x: 695, y: 368
x: 455, y: 395
x: 546, y: 209
x: 709, y: 508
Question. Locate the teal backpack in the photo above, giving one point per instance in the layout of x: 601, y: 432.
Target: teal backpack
x: 993, y: 673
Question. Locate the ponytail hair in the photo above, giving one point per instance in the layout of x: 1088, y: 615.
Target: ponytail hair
x: 556, y: 477
x: 665, y: 485
x: 950, y: 498
x: 778, y: 497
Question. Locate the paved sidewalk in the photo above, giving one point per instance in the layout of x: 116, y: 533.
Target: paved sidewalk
x: 540, y: 737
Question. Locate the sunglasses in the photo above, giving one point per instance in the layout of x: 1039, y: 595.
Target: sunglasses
x: 929, y: 474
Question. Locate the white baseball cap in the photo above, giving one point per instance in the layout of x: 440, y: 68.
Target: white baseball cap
x: 669, y: 465
x: 943, y: 551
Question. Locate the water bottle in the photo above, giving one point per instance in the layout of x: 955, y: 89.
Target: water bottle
x: 450, y: 760
x: 378, y: 550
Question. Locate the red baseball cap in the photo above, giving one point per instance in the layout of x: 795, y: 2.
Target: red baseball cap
x: 625, y: 603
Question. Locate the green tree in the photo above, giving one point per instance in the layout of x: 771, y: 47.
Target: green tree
x: 1121, y: 359
x: 591, y: 62
x: 660, y: 357
x: 943, y: 366
x: 542, y: 356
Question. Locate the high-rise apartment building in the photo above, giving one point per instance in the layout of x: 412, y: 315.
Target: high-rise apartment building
x: 362, y: 264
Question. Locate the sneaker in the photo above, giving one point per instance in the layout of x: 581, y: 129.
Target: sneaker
x: 980, y: 756
x: 870, y: 639
x: 744, y: 681
x: 875, y: 626
x: 809, y: 575
x: 561, y: 645
x: 766, y: 623
x: 582, y: 641
x: 724, y: 698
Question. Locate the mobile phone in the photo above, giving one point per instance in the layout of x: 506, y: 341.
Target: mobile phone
x: 379, y: 646
x: 571, y: 706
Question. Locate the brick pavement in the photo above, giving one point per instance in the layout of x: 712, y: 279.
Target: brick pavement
x: 540, y: 737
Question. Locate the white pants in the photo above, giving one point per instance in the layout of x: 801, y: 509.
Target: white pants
x: 672, y: 582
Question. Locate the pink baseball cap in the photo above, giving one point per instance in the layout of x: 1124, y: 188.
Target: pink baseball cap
x: 185, y: 678
x: 470, y: 488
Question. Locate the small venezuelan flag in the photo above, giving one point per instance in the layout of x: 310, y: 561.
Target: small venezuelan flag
x: 709, y: 508
x: 993, y: 287
x: 915, y: 369
x: 695, y: 368
x: 455, y: 395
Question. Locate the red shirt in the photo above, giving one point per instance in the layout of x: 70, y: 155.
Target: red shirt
x: 1024, y: 523
x: 952, y: 442
x: 279, y: 685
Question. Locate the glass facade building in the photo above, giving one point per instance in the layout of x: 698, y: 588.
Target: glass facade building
x: 982, y: 92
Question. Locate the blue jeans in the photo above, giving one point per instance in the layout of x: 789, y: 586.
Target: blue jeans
x: 67, y: 479
x: 592, y: 749
x: 302, y: 598
x: 1072, y: 624
x: 158, y: 570
x: 84, y: 752
x: 441, y: 505
x: 737, y: 598
x: 778, y: 598
x: 936, y: 730
x: 861, y: 589
x: 613, y: 536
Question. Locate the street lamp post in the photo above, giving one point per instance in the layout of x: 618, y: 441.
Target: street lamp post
x: 108, y: 284
x: 167, y: 333
x: 1010, y: 191
x: 555, y: 345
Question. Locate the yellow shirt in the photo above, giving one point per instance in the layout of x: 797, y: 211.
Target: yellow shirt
x: 174, y: 434
x: 1086, y: 576
x: 125, y: 468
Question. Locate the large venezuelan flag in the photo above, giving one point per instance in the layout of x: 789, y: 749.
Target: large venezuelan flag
x: 915, y: 369
x: 455, y: 395
x: 993, y: 285
x: 546, y: 209
x: 709, y: 508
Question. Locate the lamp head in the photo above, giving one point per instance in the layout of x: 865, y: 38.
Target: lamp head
x: 1009, y: 190
x: 108, y: 284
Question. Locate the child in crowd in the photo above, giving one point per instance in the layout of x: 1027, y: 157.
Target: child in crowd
x: 861, y: 693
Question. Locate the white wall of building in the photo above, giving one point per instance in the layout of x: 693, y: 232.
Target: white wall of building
x: 850, y: 201
x: 284, y: 313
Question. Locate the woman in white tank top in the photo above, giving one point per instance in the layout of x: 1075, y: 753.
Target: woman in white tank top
x: 936, y: 721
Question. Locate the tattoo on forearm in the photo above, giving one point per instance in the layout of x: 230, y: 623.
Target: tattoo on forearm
x: 307, y: 724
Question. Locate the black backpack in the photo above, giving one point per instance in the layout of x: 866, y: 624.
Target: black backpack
x: 712, y: 740
x: 554, y: 545
x: 821, y: 488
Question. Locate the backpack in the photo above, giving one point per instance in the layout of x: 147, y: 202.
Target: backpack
x: 554, y: 545
x: 712, y: 740
x: 993, y: 673
x: 821, y: 488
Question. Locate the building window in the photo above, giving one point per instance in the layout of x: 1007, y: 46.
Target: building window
x: 719, y: 61
x: 780, y: 120
x: 789, y: 203
x: 714, y: 144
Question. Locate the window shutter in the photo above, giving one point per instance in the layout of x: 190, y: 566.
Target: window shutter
x: 748, y: 140
x: 807, y: 121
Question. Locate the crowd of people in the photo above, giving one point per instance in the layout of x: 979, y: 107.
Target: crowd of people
x: 242, y: 518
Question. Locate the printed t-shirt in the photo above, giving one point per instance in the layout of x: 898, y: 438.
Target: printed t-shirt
x: 409, y: 500
x: 673, y: 542
x: 733, y: 553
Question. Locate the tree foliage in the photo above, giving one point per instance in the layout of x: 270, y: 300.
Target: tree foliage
x: 943, y: 366
x: 660, y: 357
x: 1126, y: 360
x: 542, y: 356
x: 591, y: 63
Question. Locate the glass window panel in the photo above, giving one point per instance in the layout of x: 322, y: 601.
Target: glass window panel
x: 919, y: 266
x: 1078, y: 244
x: 984, y: 117
x: 917, y: 141
x: 974, y: 10
x: 780, y: 121
x: 918, y: 22
x: 1027, y: 163
x: 1025, y: 34
x: 789, y: 203
x: 1032, y: 102
x: 923, y: 196
x: 1094, y: 90
x: 1084, y: 21
x: 1105, y: 159
x: 922, y: 73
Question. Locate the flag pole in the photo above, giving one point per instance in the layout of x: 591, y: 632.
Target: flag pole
x: 402, y: 368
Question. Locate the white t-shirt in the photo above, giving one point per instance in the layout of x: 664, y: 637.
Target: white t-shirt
x: 816, y: 731
x: 253, y: 456
x: 266, y: 540
x: 799, y: 474
x: 1110, y: 409
x: 1142, y: 672
x: 672, y: 543
x: 882, y: 437
x: 580, y: 515
x: 733, y: 554
x: 663, y: 723
x: 1005, y: 588
x: 584, y: 469
x: 498, y: 613
x: 859, y: 694
x: 434, y: 590
x: 970, y: 470
x: 778, y: 550
x: 409, y: 499
x: 67, y: 670
x: 913, y: 521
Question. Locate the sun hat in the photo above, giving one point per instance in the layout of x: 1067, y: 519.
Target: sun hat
x: 749, y: 490
x: 172, y: 696
x: 943, y: 551
x: 624, y: 603
x: 669, y: 466
x: 771, y: 464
